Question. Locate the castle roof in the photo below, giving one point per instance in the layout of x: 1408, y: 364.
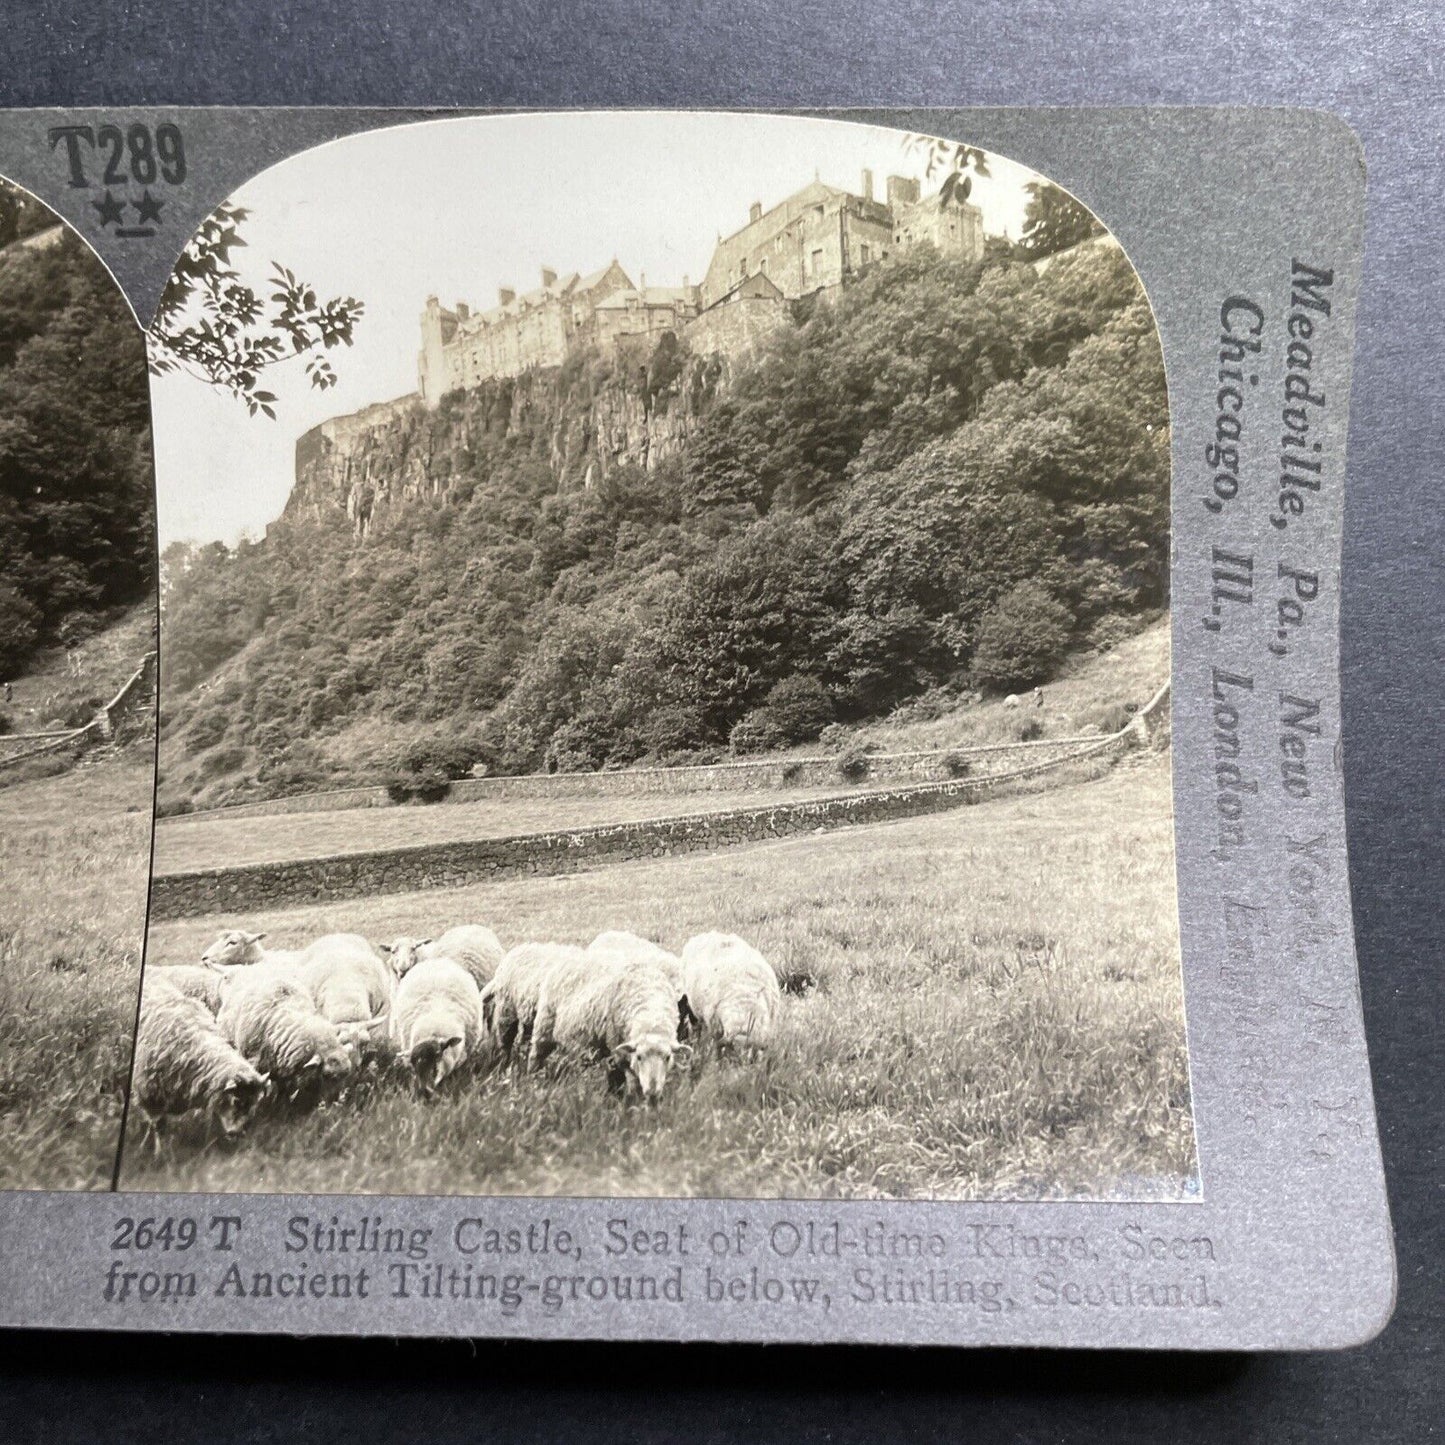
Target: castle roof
x: 649, y: 296
x: 757, y: 286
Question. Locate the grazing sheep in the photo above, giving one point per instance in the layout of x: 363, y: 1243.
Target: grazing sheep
x: 349, y: 985
x: 1012, y: 700
x: 207, y: 985
x: 618, y: 942
x: 274, y: 1022
x: 183, y: 1062
x: 236, y: 948
x: 509, y: 1001
x: 477, y: 949
x: 624, y: 1010
x: 731, y: 989
x: 436, y: 1019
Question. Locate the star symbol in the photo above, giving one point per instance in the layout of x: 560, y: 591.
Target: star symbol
x: 112, y: 212
x: 148, y: 208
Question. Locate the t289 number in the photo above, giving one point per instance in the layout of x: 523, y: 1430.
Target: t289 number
x: 122, y: 154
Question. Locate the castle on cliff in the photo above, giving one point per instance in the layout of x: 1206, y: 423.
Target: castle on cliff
x: 812, y: 241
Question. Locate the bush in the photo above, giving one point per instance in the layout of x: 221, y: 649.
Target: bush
x: 174, y: 807
x: 1031, y: 729
x: 207, y: 730
x: 223, y: 760
x: 1108, y: 717
x: 672, y: 728
x: 854, y: 765
x: 19, y: 629
x: 1022, y: 639
x: 753, y: 733
x: 956, y: 765
x: 449, y: 755
x: 799, y: 707
x: 7, y: 724
x: 1112, y: 629
x: 427, y: 787
x: 834, y: 736
x: 796, y: 710
x: 77, y: 714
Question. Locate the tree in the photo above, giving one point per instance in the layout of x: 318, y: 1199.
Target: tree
x: 1021, y: 641
x: 213, y: 325
x: 1054, y: 221
x: 19, y: 628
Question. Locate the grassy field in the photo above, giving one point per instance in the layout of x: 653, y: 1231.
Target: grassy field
x: 184, y: 843
x: 74, y: 853
x: 997, y: 1013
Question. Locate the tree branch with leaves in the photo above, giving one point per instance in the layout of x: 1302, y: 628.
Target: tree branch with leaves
x: 214, y: 326
x: 956, y: 163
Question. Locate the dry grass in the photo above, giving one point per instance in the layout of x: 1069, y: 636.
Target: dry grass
x: 996, y: 1012
x: 74, y: 852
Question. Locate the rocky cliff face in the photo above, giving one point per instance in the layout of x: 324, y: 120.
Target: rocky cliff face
x: 581, y: 420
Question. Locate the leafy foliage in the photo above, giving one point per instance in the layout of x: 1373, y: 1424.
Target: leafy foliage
x: 796, y: 710
x: 76, y: 491
x: 1054, y: 221
x: 215, y: 326
x: 1022, y: 638
x: 840, y: 529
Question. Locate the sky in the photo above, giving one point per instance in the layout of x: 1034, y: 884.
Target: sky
x: 457, y: 208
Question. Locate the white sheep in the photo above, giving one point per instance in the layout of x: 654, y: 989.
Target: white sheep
x: 477, y: 949
x: 236, y: 948
x: 273, y: 1020
x: 184, y: 1062
x: 348, y: 982
x: 509, y: 1001
x: 207, y: 985
x: 436, y: 1019
x: 731, y: 989
x: 623, y: 1010
x: 618, y: 942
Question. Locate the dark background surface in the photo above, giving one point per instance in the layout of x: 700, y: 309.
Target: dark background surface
x: 1382, y: 67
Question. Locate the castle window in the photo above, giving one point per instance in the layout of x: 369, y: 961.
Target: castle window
x: 867, y: 256
x: 817, y: 262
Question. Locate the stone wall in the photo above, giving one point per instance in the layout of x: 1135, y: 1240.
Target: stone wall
x: 260, y: 887
x: 128, y: 713
x: 933, y: 765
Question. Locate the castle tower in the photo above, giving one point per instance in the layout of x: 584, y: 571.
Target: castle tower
x: 434, y: 378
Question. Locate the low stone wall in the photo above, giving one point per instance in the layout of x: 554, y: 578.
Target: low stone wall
x: 934, y: 765
x: 132, y: 707
x: 263, y: 886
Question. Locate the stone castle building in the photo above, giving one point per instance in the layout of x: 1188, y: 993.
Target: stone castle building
x: 814, y: 240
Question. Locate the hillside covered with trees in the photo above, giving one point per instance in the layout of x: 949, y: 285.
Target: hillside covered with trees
x: 77, y: 503
x: 948, y: 475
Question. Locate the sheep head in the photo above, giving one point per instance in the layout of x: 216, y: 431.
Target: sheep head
x: 649, y: 1061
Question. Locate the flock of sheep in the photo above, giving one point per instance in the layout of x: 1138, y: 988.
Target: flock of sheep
x: 249, y: 1023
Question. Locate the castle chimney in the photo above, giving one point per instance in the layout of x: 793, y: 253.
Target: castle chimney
x: 901, y: 192
x: 549, y: 277
x: 463, y: 310
x: 867, y: 185
x: 755, y: 212
x: 505, y: 295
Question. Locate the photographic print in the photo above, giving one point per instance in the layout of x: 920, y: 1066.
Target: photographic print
x: 77, y: 698
x: 664, y: 677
